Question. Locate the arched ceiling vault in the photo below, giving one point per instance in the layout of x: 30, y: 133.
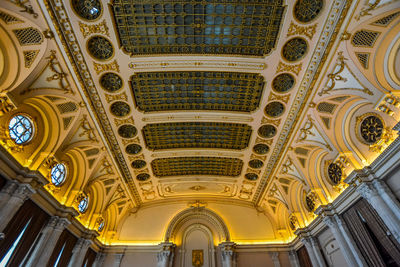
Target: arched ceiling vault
x: 251, y: 102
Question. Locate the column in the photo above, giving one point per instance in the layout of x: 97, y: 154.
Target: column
x: 7, y: 191
x: 275, y: 259
x: 12, y: 205
x: 314, y: 251
x: 294, y: 260
x: 99, y: 260
x: 227, y: 253
x: 118, y: 259
x: 48, y: 240
x: 346, y: 243
x: 79, y: 251
x: 166, y: 256
x: 388, y: 196
x: 371, y: 194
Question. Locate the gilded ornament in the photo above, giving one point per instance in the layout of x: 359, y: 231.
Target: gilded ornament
x: 367, y: 9
x: 100, y: 28
x: 308, y: 31
x: 26, y: 7
x: 112, y: 98
x: 251, y: 176
x: 99, y: 68
x: 256, y: 164
x: 371, y: 129
x: 143, y: 177
x: 335, y: 173
x: 111, y: 82
x: 138, y: 164
x: 282, y: 67
x: 282, y: 98
x: 133, y: 149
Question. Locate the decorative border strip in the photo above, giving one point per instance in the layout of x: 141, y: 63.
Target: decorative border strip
x: 325, y: 43
x: 67, y: 36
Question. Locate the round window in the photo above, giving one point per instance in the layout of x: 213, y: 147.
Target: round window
x: 58, y: 174
x: 21, y: 129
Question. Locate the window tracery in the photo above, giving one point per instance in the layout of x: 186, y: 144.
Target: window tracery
x: 21, y: 129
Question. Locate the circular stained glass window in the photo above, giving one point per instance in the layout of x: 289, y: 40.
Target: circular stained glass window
x: 274, y: 109
x: 111, y: 82
x: 133, y: 149
x: 120, y: 108
x: 267, y: 131
x: 143, y: 176
x: 83, y: 204
x: 256, y: 163
x: 306, y: 10
x: 334, y: 173
x: 371, y: 129
x: 310, y: 203
x: 127, y: 131
x: 294, y: 49
x: 58, y: 174
x: 138, y: 164
x: 261, y: 149
x: 87, y: 9
x: 251, y: 176
x: 101, y: 225
x: 283, y: 82
x: 100, y: 48
x: 21, y: 129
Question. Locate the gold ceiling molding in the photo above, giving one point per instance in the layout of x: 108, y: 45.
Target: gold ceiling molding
x: 26, y: 7
x: 88, y: 29
x: 197, y: 117
x: 329, y: 33
x: 58, y: 14
x: 282, y: 67
x: 308, y: 31
x: 207, y: 152
x: 198, y: 63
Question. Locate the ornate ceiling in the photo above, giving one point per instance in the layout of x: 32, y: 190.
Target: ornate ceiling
x: 219, y: 100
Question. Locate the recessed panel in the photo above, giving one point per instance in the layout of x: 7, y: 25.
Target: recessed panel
x: 197, y: 90
x: 196, y: 135
x: 197, y: 166
x: 198, y: 27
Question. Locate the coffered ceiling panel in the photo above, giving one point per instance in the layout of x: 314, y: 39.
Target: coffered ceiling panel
x: 197, y: 166
x: 199, y: 27
x: 196, y: 135
x: 197, y: 90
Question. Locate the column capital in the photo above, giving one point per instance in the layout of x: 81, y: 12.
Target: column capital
x: 10, y: 187
x: 167, y: 249
x: 62, y: 223
x: 24, y: 191
x: 227, y: 249
x: 367, y: 190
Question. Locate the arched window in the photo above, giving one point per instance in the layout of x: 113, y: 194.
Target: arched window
x: 21, y: 129
x: 83, y: 204
x: 101, y: 225
x: 58, y: 174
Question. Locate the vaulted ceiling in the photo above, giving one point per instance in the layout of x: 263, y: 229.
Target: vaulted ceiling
x: 244, y: 102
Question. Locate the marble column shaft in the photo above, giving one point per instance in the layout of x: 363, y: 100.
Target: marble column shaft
x: 375, y: 197
x: 294, y: 260
x: 346, y: 243
x: 275, y: 259
x: 14, y: 202
x: 314, y: 251
x: 79, y: 251
x: 99, y: 260
x: 48, y: 240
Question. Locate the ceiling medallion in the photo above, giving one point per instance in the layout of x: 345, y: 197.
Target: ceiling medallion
x: 251, y: 176
x: 371, y: 129
x: 143, y: 177
x: 199, y: 27
x: 100, y: 48
x: 294, y: 49
x: 133, y: 149
x: 283, y: 82
x: 261, y: 149
x: 335, y: 173
x: 274, y: 109
x: 267, y: 131
x: 87, y: 9
x: 120, y: 109
x: 256, y: 163
x: 138, y: 164
x: 196, y: 135
x: 307, y: 10
x: 127, y: 131
x: 111, y: 82
x: 197, y: 90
